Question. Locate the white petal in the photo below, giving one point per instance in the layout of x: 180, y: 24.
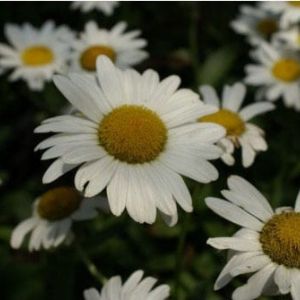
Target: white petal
x: 132, y: 282
x: 193, y: 167
x: 77, y: 97
x: 141, y: 197
x: 248, y: 153
x: 161, y: 292
x: 209, y: 95
x: 235, y: 97
x: 176, y: 186
x: 91, y: 294
x: 282, y: 278
x: 164, y: 91
x: 295, y: 288
x: 110, y: 80
x: 225, y: 276
x: 297, y: 204
x: 255, y: 109
x: 117, y: 190
x: 21, y: 231
x: 251, y: 265
x: 82, y: 154
x: 255, y: 208
x: 233, y: 213
x: 234, y: 243
x: 244, y: 188
x: 56, y: 169
x: 255, y: 285
x: 89, y: 86
x: 96, y: 174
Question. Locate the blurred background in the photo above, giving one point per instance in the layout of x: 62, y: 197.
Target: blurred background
x: 194, y: 41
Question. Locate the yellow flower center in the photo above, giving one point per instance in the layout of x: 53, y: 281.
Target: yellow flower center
x: 133, y: 134
x: 89, y: 56
x: 280, y: 239
x: 286, y: 69
x: 231, y: 121
x: 36, y: 56
x: 294, y: 3
x: 58, y: 203
x: 267, y: 27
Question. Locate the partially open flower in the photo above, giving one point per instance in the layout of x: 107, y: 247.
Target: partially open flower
x: 239, y: 132
x: 52, y: 218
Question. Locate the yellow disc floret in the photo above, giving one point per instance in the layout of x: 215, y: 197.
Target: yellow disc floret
x: 89, y: 56
x: 280, y: 239
x: 294, y: 3
x: 133, y: 134
x: 36, y: 56
x: 287, y: 69
x: 58, y: 203
x: 267, y: 27
x: 230, y: 120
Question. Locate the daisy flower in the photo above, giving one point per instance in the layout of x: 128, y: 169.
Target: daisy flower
x: 289, y: 11
x: 134, y: 288
x: 256, y: 24
x: 268, y: 243
x: 35, y: 54
x: 277, y: 72
x: 289, y: 38
x: 135, y: 136
x: 107, y: 7
x: 124, y: 49
x: 239, y: 132
x: 52, y: 218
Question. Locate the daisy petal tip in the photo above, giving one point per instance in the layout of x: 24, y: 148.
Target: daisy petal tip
x: 103, y: 60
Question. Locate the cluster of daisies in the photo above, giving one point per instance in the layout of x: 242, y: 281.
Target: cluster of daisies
x: 133, y: 136
x: 36, y: 54
x: 272, y: 29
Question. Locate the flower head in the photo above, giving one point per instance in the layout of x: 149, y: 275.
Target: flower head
x: 239, y: 132
x: 125, y: 49
x: 268, y: 243
x: 277, y: 72
x: 35, y: 54
x: 134, y: 288
x: 52, y: 218
x: 256, y: 24
x: 289, y: 11
x: 135, y: 135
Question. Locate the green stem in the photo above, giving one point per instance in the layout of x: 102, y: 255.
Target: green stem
x: 180, y: 255
x: 91, y: 267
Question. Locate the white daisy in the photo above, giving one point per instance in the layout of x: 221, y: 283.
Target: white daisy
x: 35, y: 54
x: 277, y: 72
x: 134, y: 288
x: 124, y: 49
x: 107, y: 7
x: 268, y: 244
x: 52, y: 218
x: 289, y: 11
x: 135, y: 136
x: 256, y: 24
x: 235, y: 120
x: 289, y: 38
